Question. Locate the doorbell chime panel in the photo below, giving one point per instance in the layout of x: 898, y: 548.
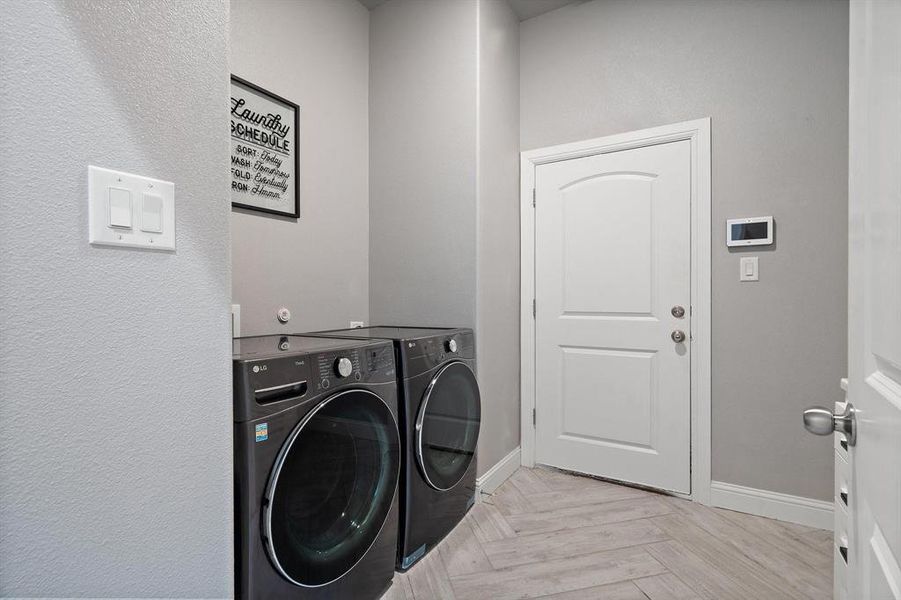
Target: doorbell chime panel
x: 753, y: 231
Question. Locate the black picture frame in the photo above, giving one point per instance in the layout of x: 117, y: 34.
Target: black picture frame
x: 293, y: 107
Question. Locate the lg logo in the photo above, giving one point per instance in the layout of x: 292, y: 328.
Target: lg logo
x: 258, y: 368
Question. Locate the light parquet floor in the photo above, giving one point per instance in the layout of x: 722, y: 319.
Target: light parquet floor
x: 547, y: 534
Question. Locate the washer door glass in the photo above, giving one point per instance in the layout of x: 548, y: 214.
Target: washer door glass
x: 332, y: 488
x: 447, y: 429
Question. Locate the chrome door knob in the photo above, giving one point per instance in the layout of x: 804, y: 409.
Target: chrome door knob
x: 678, y: 336
x: 822, y: 421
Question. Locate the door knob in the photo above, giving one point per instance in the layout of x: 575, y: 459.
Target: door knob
x: 822, y: 421
x: 678, y: 336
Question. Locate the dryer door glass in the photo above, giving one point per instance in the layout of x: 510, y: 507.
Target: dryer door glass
x: 332, y: 488
x: 447, y: 428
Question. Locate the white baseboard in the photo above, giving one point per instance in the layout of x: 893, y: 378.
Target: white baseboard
x: 498, y: 474
x: 784, y: 507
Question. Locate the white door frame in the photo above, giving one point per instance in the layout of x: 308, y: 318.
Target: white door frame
x: 698, y: 133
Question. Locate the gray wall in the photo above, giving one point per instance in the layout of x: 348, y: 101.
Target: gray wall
x: 773, y: 77
x: 315, y: 53
x: 422, y: 212
x: 498, y: 231
x: 115, y: 376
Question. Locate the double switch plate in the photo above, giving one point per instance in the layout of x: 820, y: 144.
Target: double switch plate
x: 130, y: 210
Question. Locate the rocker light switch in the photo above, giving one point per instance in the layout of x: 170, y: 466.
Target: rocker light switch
x: 119, y: 208
x: 749, y: 269
x: 152, y: 213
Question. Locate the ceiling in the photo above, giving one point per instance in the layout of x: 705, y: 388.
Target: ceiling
x: 524, y: 9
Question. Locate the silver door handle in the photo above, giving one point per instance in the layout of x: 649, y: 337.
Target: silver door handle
x: 822, y: 421
x: 678, y: 336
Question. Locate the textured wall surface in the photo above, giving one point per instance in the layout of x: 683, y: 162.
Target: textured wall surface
x: 444, y: 186
x: 318, y: 266
x: 498, y: 231
x: 422, y: 212
x: 773, y: 76
x: 115, y: 375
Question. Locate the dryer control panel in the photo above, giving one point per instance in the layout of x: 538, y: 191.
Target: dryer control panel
x: 424, y: 354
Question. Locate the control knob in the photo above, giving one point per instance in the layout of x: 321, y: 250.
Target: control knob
x: 343, y: 367
x: 452, y: 345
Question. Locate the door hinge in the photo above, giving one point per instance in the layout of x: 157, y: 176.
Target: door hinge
x: 534, y: 193
x: 533, y: 417
x: 533, y: 308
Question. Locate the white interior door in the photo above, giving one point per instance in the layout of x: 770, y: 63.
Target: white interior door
x: 612, y: 263
x: 874, y: 375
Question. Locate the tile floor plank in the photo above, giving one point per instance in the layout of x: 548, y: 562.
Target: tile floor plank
x: 821, y: 540
x: 665, y: 587
x: 556, y: 576
x: 588, y: 515
x: 724, y: 558
x: 704, y: 578
x: 528, y: 482
x: 561, y: 480
x: 571, y: 542
x: 596, y: 493
x: 614, y: 591
x: 509, y: 500
x: 462, y: 552
x: 789, y: 567
x: 489, y: 524
x: 400, y: 588
x: 793, y: 538
x: 429, y: 579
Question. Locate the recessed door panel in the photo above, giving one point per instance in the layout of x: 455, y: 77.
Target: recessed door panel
x: 596, y: 212
x: 623, y: 388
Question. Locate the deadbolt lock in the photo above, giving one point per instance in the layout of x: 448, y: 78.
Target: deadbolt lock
x: 678, y: 312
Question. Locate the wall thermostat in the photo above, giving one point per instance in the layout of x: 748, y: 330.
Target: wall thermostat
x: 754, y: 231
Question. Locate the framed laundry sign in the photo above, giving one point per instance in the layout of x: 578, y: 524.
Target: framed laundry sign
x: 265, y: 155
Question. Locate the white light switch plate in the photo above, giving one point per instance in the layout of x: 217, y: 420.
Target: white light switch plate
x: 749, y: 269
x: 236, y: 320
x: 152, y: 218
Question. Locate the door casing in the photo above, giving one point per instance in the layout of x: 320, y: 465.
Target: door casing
x: 698, y: 133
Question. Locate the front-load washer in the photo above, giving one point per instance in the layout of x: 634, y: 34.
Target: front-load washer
x: 317, y: 462
x: 440, y: 416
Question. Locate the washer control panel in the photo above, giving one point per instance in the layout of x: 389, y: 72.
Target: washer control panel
x: 272, y: 372
x: 373, y: 364
x: 335, y: 366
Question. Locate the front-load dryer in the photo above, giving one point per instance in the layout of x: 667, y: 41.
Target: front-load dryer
x: 317, y: 461
x: 440, y: 416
